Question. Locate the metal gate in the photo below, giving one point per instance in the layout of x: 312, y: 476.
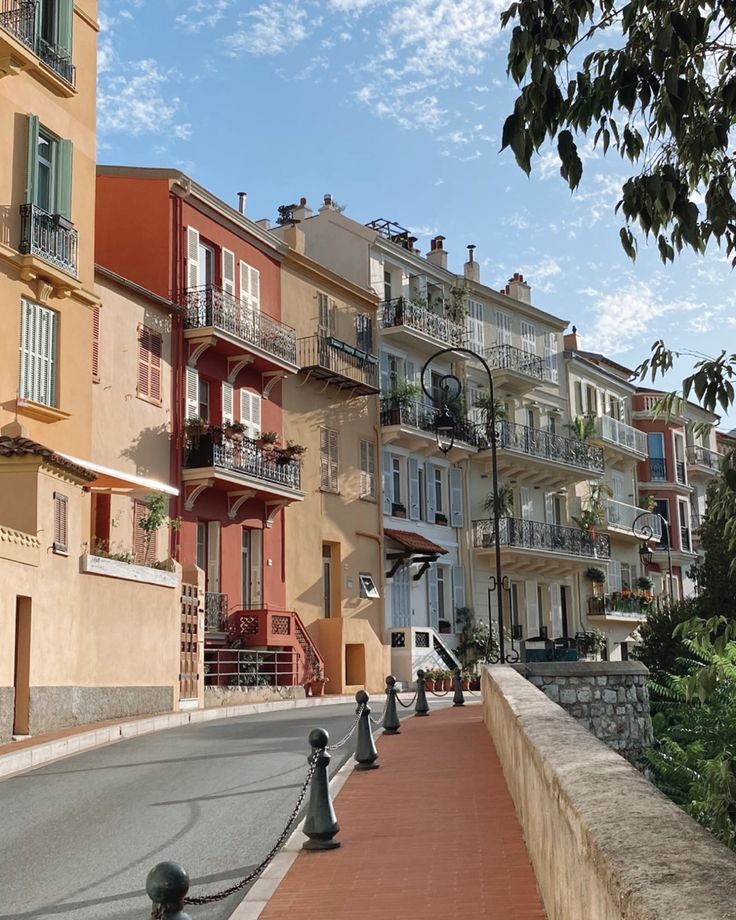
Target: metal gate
x: 188, y: 674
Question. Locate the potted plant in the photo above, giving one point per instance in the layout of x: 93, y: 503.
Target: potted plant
x: 644, y: 583
x: 267, y: 440
x: 446, y: 679
x: 235, y: 431
x: 398, y: 509
x: 195, y: 426
x: 596, y: 575
x: 648, y: 503
x: 401, y: 398
x: 294, y: 451
x: 440, y: 518
x: 445, y: 626
x: 503, y: 505
x: 429, y: 676
x: 317, y: 679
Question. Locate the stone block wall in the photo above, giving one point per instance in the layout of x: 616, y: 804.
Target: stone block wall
x: 609, y: 698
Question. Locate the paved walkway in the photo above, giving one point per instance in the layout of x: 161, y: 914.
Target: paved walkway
x: 433, y: 833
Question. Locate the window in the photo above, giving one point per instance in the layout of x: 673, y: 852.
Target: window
x: 364, y: 333
x: 591, y: 400
x: 663, y: 508
x: 614, y: 407
x: 206, y: 264
x: 441, y: 606
x: 368, y: 470
x: 328, y: 459
x: 550, y: 356
x: 396, y: 480
x: 61, y: 523
x: 438, y: 506
x: 203, y: 409
x: 528, y: 338
x: 38, y: 338
x: 326, y: 580
x: 683, y: 511
x: 250, y: 287
x: 626, y: 576
x: 149, y: 366
x: 49, y: 172
x: 327, y: 313
x: 474, y: 324
x: 655, y: 449
x: 503, y: 328
x: 54, y: 20
x: 144, y: 544
x: 202, y: 545
x: 250, y: 413
x: 367, y: 585
x: 387, y: 288
x: 245, y: 566
x: 96, y: 344
x: 579, y: 407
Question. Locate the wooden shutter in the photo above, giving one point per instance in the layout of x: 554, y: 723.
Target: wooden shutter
x: 328, y: 447
x: 32, y: 159
x: 433, y: 602
x: 61, y: 523
x: 155, y: 344
x: 550, y: 356
x: 38, y: 354
x: 525, y: 497
x: 213, y: 557
x: 192, y: 257
x: 250, y: 413
x: 63, y: 179
x: 429, y: 487
x: 615, y: 580
x: 143, y: 551
x: 227, y: 403
x: 528, y: 338
x: 532, y: 608
x: 413, y: 474
x: 385, y: 380
x: 64, y: 24
x: 96, y: 344
x: 457, y: 512
x: 191, y: 393
x: 458, y: 586
x: 250, y: 286
x: 549, y: 508
x: 555, y: 606
x: 367, y: 469
x: 387, y: 483
x: 228, y: 272
x: 503, y: 328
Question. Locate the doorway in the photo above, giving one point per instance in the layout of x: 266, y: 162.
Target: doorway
x: 355, y: 665
x: 22, y: 666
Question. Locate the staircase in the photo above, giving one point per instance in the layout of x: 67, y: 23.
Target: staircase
x: 444, y: 653
x: 277, y: 629
x: 418, y: 647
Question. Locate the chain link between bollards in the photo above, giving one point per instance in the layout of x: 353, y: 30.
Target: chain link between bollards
x: 348, y: 736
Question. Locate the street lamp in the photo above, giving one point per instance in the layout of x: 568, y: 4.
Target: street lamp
x: 445, y: 426
x: 646, y: 532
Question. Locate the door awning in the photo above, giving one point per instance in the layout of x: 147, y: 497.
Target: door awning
x: 106, y: 479
x: 415, y: 543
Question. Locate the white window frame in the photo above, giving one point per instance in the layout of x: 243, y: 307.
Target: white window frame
x: 367, y: 585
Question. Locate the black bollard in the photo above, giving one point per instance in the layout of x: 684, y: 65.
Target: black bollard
x: 422, y: 706
x: 366, y: 754
x: 321, y: 822
x: 167, y: 886
x: 458, y: 699
x: 391, y: 721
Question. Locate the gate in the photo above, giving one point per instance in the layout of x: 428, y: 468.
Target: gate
x: 189, y: 667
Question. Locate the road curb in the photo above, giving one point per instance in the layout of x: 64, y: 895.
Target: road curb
x: 32, y: 756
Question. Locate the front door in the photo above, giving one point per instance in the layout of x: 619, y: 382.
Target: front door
x: 22, y: 670
x: 401, y: 598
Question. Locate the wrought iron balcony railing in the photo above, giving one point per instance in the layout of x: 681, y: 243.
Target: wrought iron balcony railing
x: 18, y: 17
x: 621, y: 603
x: 213, y: 449
x: 511, y: 358
x: 342, y: 360
x: 215, y: 611
x: 544, y: 445
x: 697, y: 455
x: 657, y: 468
x: 49, y: 236
x: 420, y: 415
x: 622, y: 435
x: 548, y: 538
x: 211, y: 306
x: 621, y: 515
x: 402, y: 312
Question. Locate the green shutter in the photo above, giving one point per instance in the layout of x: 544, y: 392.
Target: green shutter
x: 64, y: 14
x: 63, y: 179
x: 32, y: 170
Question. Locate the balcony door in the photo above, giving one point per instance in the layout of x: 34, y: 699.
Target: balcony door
x: 206, y: 265
x: 655, y: 448
x: 213, y: 557
x: 401, y: 597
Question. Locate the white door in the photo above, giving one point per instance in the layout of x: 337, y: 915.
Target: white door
x: 213, y: 557
x: 401, y: 598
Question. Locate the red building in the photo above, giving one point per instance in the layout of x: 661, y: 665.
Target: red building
x: 230, y: 353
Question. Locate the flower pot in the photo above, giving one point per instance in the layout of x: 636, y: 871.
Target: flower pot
x: 447, y: 683
x: 474, y: 684
x: 428, y: 685
x: 317, y: 687
x: 465, y: 683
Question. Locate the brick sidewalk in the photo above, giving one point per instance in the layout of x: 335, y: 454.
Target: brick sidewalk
x: 433, y: 833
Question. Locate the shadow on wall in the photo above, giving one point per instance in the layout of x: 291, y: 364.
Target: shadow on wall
x: 150, y: 452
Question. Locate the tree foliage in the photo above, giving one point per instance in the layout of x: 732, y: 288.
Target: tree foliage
x: 659, y: 649
x: 658, y: 87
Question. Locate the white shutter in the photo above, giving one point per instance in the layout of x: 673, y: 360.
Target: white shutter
x: 387, y: 483
x: 410, y: 371
x: 532, y: 609
x: 615, y: 581
x: 549, y: 508
x: 333, y: 454
x: 38, y: 354
x: 617, y: 481
x: 385, y: 381
x: 433, y: 601
x: 250, y: 413
x: 192, y: 257
x: 550, y: 356
x: 503, y: 328
x: 474, y: 322
x: 250, y: 286
x: 227, y: 403
x: 429, y: 486
x: 413, y: 468
x: 528, y: 338
x: 458, y: 586
x: 191, y: 393
x: 457, y: 516
x: 244, y: 284
x: 555, y: 606
x: 213, y: 557
x: 525, y: 497
x: 256, y: 568
x: 367, y: 470
x: 228, y: 272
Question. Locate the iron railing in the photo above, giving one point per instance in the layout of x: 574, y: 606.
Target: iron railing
x: 402, y: 312
x: 329, y: 353
x: 698, y: 455
x: 213, y: 448
x: 680, y: 471
x: 210, y: 306
x: 621, y: 604
x: 550, y: 538
x: 49, y: 236
x: 226, y: 667
x: 622, y: 435
x: 621, y: 515
x: 18, y: 17
x: 215, y: 611
x: 416, y: 414
x: 657, y: 468
x: 534, y: 442
x: 511, y: 358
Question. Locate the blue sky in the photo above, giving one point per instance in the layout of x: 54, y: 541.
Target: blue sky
x: 394, y: 107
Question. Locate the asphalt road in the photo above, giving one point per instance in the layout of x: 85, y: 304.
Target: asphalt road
x: 78, y: 837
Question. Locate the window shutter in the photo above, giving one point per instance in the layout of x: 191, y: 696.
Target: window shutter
x: 244, y: 284
x: 549, y: 508
x: 615, y: 582
x: 227, y: 403
x: 144, y: 361
x: 96, y: 344
x: 191, y: 393
x: 155, y: 355
x: 410, y: 371
x: 413, y: 468
x: 64, y: 20
x: 555, y: 605
x: 213, y: 557
x: 526, y: 503
x: 32, y: 167
x: 256, y: 568
x: 228, y: 272
x: 528, y: 338
x: 429, y: 486
x: 457, y: 515
x: 458, y: 586
x: 255, y: 289
x: 433, y: 600
x: 192, y: 257
x: 383, y: 365
x: 333, y: 461
x: 250, y: 413
x: 250, y: 286
x: 387, y: 485
x: 38, y: 354
x: 63, y: 179
x: 532, y: 609
x: 503, y: 328
x: 61, y: 523
x: 142, y: 551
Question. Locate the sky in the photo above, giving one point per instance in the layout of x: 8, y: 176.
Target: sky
x: 395, y: 108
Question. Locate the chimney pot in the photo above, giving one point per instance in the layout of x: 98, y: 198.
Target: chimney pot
x: 328, y: 201
x: 241, y: 201
x: 302, y: 202
x: 518, y: 288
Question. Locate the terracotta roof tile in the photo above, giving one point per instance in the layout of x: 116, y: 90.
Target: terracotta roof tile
x: 414, y: 542
x: 25, y: 447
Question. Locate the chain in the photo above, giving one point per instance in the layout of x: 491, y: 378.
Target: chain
x: 344, y: 739
x: 444, y: 692
x: 406, y: 705
x: 221, y: 895
x: 379, y: 720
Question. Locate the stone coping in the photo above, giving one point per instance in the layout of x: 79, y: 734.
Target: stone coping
x: 605, y: 843
x: 114, y: 568
x: 579, y: 668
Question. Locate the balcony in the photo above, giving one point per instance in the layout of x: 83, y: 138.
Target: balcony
x: 432, y: 329
x: 544, y: 447
x: 324, y: 357
x: 621, y: 517
x: 546, y: 538
x: 50, y: 237
x: 211, y: 311
x: 657, y: 469
x: 414, y: 424
x: 515, y: 368
x: 18, y: 18
x: 215, y: 612
x: 621, y: 436
x: 702, y: 460
x: 624, y: 605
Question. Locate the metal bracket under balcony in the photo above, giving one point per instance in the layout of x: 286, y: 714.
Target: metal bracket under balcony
x: 542, y: 537
x: 323, y: 357
x: 51, y: 237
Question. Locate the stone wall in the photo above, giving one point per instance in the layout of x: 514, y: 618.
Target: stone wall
x: 609, y: 698
x: 236, y: 696
x: 52, y: 708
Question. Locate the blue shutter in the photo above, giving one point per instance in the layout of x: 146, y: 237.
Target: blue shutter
x: 433, y: 601
x: 458, y: 586
x: 414, y: 504
x: 64, y: 24
x: 429, y: 487
x: 457, y: 516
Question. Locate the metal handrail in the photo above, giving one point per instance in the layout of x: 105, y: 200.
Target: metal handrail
x: 213, y: 448
x: 18, y: 17
x: 620, y: 514
x: 403, y: 312
x: 704, y: 456
x: 215, y: 611
x: 49, y: 236
x: 553, y: 538
x: 509, y: 357
x: 422, y: 415
x: 246, y: 668
x: 534, y: 442
x: 333, y: 354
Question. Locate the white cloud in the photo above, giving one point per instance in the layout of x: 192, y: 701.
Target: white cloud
x: 203, y: 14
x: 272, y: 28
x: 131, y: 99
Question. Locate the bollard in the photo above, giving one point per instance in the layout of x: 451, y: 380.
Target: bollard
x: 422, y: 706
x: 458, y: 699
x: 366, y: 754
x: 167, y: 886
x: 391, y: 721
x: 321, y: 822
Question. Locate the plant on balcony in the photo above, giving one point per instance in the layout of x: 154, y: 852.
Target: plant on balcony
x: 194, y: 426
x: 267, y: 440
x: 584, y: 429
x: 645, y: 583
x: 457, y: 309
x: 404, y: 393
x: 596, y: 575
x: 398, y: 509
x: 157, y: 514
x: 648, y: 503
x: 440, y: 518
x: 590, y: 642
x: 503, y: 506
x: 592, y: 513
x: 294, y: 451
x: 235, y: 431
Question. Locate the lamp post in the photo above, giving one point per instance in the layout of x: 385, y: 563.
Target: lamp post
x: 444, y: 426
x: 646, y: 532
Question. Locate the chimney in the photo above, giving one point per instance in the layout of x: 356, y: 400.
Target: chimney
x: 302, y: 211
x: 264, y: 223
x: 242, y: 196
x: 519, y: 289
x: 573, y: 341
x: 437, y: 255
x: 471, y: 269
x: 328, y: 205
x: 294, y: 237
